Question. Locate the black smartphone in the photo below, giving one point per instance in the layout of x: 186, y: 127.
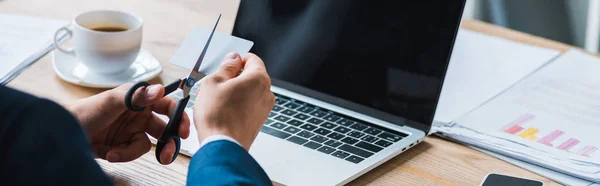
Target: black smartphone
x: 494, y: 179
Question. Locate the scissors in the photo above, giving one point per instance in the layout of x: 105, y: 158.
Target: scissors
x: 185, y: 84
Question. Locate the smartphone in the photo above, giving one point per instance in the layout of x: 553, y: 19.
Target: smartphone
x: 494, y: 179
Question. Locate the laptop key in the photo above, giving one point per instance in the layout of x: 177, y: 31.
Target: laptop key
x: 297, y: 140
x: 340, y: 154
x: 326, y: 149
x: 269, y: 121
x: 280, y: 100
x: 306, y: 109
x: 349, y: 140
x: 328, y: 125
x: 305, y: 134
x: 308, y: 127
x: 322, y: 131
x: 332, y: 117
x: 272, y: 114
x: 354, y: 150
x: 390, y: 137
x: 295, y: 122
x: 277, y: 108
x: 278, y: 125
x: 312, y: 145
x: 342, y: 130
x: 319, y: 139
x: 354, y: 159
x: 356, y: 134
x: 292, y: 130
x: 369, y: 147
x: 383, y: 143
x: 336, y: 135
x: 292, y: 105
x: 318, y: 113
x: 273, y: 132
x: 369, y: 139
x: 315, y: 121
x: 345, y: 122
x: 333, y: 143
x: 282, y: 118
x: 288, y: 112
x: 358, y: 126
x: 301, y: 116
x: 372, y: 131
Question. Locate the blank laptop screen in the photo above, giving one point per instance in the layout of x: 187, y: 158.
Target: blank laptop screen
x: 390, y: 56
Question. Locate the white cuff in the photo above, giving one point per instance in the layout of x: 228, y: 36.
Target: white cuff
x: 217, y: 137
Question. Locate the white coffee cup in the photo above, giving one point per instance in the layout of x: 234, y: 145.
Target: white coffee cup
x: 103, y: 52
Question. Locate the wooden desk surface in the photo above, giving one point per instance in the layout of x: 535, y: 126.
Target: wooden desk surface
x: 168, y: 22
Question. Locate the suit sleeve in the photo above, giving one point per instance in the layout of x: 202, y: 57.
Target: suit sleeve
x: 225, y: 163
x: 42, y: 144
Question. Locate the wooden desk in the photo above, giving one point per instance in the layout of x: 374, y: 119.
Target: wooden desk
x: 168, y: 22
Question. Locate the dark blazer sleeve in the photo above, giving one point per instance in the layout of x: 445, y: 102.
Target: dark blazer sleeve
x: 41, y: 143
x: 225, y: 163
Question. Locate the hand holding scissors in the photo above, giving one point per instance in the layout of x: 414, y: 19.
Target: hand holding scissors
x: 185, y: 84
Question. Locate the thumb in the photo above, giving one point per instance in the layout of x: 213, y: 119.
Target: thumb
x: 230, y: 66
x: 148, y: 95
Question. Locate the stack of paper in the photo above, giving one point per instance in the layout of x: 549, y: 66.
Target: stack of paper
x: 483, y: 66
x: 23, y: 40
x: 551, y: 118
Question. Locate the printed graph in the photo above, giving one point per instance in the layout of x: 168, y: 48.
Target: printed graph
x: 550, y: 139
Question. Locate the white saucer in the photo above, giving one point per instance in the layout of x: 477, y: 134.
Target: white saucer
x: 72, y: 70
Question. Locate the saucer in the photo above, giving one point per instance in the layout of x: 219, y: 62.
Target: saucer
x: 71, y: 70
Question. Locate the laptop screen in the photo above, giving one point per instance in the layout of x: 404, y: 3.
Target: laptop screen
x: 388, y: 56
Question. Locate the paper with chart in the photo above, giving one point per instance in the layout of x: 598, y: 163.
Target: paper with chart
x: 552, y: 116
x: 22, y: 41
x: 482, y: 66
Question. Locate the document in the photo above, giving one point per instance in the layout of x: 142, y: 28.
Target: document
x: 482, y: 66
x: 23, y: 40
x: 551, y: 118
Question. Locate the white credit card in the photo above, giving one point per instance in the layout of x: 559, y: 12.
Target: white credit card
x: 220, y: 45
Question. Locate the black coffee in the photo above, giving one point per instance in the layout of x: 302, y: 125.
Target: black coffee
x: 109, y: 29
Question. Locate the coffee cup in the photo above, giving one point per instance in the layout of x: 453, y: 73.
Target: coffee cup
x: 105, y: 41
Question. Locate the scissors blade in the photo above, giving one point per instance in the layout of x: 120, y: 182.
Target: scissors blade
x: 194, y: 72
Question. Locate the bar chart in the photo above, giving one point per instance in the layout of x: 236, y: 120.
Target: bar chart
x: 550, y: 139
x: 587, y: 150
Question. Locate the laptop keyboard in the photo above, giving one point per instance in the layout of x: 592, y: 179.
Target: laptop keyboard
x: 322, y: 130
x: 327, y: 131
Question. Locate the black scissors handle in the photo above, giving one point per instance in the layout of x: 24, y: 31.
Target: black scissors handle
x: 172, y: 130
x: 129, y: 95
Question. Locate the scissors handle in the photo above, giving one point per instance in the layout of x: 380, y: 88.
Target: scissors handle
x: 172, y: 130
x: 129, y: 95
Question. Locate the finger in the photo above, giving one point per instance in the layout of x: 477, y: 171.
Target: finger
x: 148, y: 95
x: 100, y: 150
x: 253, y: 63
x: 230, y: 66
x: 166, y: 106
x: 166, y: 155
x: 156, y: 126
x: 254, y: 74
x: 138, y: 146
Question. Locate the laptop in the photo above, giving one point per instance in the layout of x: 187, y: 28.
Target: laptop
x: 356, y: 83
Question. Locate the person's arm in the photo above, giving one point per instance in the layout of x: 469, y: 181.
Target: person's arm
x: 231, y: 106
x: 42, y: 144
x: 223, y: 162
